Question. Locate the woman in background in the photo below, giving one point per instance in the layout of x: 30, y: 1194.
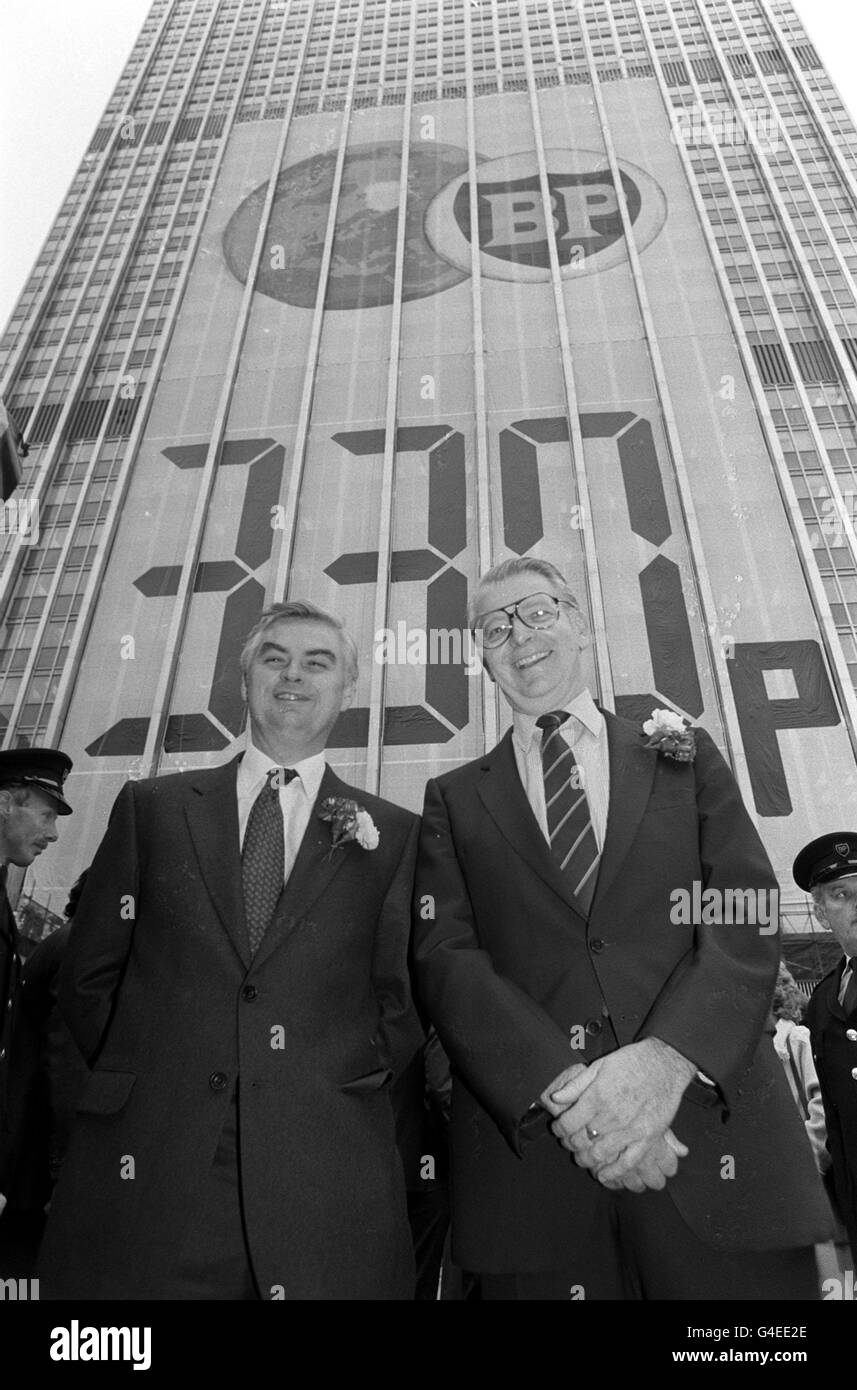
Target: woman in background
x: 792, y: 1045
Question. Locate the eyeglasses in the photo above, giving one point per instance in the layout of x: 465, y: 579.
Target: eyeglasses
x: 538, y: 611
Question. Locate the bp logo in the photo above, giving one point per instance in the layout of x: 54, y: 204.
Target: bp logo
x: 512, y: 232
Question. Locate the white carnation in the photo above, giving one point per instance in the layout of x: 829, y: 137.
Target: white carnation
x: 664, y: 719
x: 366, y: 834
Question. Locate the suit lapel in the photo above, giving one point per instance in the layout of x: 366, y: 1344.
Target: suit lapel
x: 632, y: 771
x: 504, y: 798
x: 314, y: 869
x: 212, y: 816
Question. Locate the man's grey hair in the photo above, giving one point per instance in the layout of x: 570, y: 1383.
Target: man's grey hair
x: 298, y: 610
x: 19, y: 791
x: 509, y: 569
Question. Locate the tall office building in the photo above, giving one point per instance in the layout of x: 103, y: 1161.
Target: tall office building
x: 351, y: 298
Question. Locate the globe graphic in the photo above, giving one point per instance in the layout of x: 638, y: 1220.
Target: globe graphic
x: 363, y: 261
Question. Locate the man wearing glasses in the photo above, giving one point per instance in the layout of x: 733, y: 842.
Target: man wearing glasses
x: 621, y: 1127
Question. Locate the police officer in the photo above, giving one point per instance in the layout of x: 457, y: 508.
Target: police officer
x: 827, y: 868
x: 31, y: 798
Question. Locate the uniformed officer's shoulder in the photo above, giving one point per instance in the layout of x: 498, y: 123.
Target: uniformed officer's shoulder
x: 819, y: 1002
x: 831, y: 976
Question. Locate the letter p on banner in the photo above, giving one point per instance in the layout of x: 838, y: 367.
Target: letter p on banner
x: 760, y: 716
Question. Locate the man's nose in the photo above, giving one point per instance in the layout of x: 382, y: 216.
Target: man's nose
x: 520, y: 631
x: 52, y: 833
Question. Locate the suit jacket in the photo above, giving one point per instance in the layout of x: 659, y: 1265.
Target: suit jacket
x: 834, y: 1049
x: 510, y: 971
x: 161, y: 995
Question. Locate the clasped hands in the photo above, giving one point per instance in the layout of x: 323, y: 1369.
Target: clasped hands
x: 614, y: 1115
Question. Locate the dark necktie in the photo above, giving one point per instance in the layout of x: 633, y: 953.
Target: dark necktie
x: 572, y: 837
x: 849, y: 998
x: 263, y: 856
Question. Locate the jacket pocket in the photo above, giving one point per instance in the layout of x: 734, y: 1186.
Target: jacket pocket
x: 365, y: 1085
x: 106, y: 1092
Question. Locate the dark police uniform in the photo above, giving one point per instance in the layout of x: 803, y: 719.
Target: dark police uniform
x: 10, y: 971
x: 47, y: 769
x: 833, y: 1026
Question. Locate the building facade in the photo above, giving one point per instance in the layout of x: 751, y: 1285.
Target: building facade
x: 350, y: 299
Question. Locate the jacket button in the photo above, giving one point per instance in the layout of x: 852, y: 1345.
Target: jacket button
x: 596, y: 944
x: 593, y: 1027
x: 851, y: 1034
x: 218, y: 1080
x: 248, y: 993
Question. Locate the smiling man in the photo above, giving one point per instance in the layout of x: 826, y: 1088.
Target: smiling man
x: 236, y: 976
x: 615, y: 1102
x: 827, y: 868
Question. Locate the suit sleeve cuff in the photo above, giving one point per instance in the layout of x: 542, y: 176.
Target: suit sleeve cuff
x: 703, y: 1091
x: 533, y: 1121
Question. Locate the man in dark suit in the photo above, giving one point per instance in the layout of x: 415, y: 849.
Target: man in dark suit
x: 236, y: 976
x: 827, y: 868
x: 31, y: 798
x: 563, y: 957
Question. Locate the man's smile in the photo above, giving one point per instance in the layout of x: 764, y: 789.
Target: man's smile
x: 525, y: 662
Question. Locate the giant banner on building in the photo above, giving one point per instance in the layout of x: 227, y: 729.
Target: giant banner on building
x: 683, y: 540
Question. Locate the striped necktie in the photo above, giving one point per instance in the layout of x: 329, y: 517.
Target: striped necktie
x: 263, y: 856
x: 572, y: 837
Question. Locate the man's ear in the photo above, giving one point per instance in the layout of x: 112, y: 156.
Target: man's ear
x: 243, y: 687
x: 349, y: 690
x: 820, y: 914
x: 486, y: 665
x: 581, y: 631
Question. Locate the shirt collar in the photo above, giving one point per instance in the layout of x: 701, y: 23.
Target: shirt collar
x: 255, y: 766
x: 583, y: 707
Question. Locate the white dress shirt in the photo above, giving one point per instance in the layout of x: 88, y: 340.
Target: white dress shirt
x: 297, y: 797
x: 585, y: 733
